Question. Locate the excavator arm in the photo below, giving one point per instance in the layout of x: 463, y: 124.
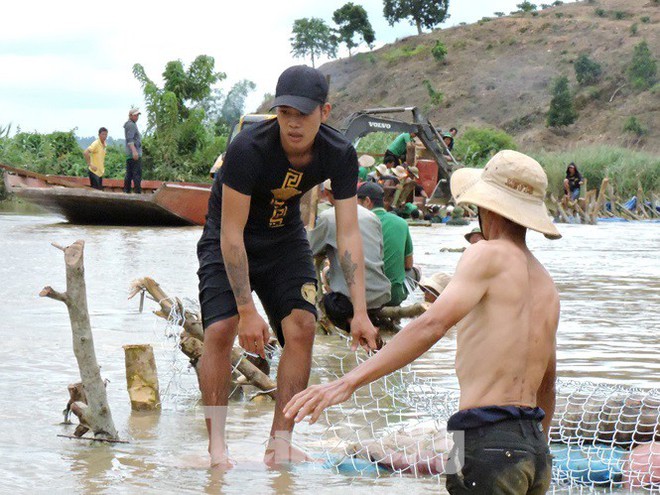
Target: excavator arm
x: 364, y: 122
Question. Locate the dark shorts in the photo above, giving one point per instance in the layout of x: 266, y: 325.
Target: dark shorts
x: 284, y: 280
x: 509, y: 457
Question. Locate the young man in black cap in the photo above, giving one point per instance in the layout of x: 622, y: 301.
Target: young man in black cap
x: 254, y: 239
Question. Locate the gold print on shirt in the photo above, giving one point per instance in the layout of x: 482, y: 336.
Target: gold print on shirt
x: 282, y: 195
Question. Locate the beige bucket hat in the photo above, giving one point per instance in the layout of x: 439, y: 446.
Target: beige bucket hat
x: 400, y: 172
x: 512, y: 185
x: 437, y: 282
x: 366, y: 161
x: 382, y: 169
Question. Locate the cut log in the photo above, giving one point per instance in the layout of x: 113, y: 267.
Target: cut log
x: 94, y: 415
x: 142, y: 377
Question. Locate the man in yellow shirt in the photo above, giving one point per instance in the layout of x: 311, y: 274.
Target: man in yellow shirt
x: 95, y: 158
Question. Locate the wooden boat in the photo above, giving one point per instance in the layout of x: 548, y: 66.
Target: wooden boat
x: 161, y: 203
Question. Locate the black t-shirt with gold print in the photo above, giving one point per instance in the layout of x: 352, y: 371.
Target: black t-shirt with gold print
x: 255, y: 164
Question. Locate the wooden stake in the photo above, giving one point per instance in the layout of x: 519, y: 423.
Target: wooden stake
x: 94, y: 415
x: 142, y: 377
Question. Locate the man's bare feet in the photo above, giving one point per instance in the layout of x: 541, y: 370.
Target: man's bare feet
x: 221, y: 460
x: 280, y: 451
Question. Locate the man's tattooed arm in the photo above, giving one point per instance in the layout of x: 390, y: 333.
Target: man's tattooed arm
x: 236, y: 264
x: 348, y: 267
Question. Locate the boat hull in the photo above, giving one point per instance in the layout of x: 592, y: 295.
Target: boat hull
x: 161, y: 204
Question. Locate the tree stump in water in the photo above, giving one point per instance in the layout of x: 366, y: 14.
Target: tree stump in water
x: 95, y: 415
x: 142, y: 377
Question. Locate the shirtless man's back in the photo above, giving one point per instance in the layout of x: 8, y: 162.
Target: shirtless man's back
x: 507, y: 311
x: 504, y: 345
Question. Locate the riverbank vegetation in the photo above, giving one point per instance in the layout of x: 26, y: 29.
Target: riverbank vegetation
x: 184, y: 128
x: 626, y: 168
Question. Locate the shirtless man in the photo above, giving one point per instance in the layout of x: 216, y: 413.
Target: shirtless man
x: 254, y: 239
x: 507, y: 310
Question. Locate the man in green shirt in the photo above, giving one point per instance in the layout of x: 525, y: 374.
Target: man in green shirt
x: 398, y: 147
x: 397, y: 243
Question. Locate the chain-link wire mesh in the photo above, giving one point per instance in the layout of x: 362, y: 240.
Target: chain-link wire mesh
x: 604, y: 438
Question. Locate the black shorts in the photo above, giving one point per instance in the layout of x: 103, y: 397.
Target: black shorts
x: 283, y: 278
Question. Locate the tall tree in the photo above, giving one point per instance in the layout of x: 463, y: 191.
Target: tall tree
x: 234, y: 104
x: 352, y: 19
x: 420, y: 13
x: 176, y: 132
x: 313, y: 37
x: 562, y: 112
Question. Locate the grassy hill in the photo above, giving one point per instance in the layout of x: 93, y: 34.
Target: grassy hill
x: 499, y: 72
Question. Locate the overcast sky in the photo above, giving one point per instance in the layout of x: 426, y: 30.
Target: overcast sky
x: 66, y: 65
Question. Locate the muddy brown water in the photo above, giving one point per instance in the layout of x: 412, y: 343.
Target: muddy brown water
x: 608, y: 276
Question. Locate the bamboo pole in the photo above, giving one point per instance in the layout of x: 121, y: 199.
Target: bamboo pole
x: 602, y: 195
x: 626, y: 213
x: 94, y: 415
x: 562, y: 213
x: 639, y: 207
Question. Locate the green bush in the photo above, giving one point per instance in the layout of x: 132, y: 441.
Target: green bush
x: 587, y: 71
x: 600, y: 12
x: 643, y: 67
x: 54, y: 153
x: 619, y: 15
x: 623, y: 166
x: 633, y: 126
x: 562, y: 111
x: 478, y: 144
x: 375, y: 143
x: 435, y: 96
x: 499, y: 14
x: 645, y: 19
x: 633, y: 29
x: 403, y: 52
x: 439, y: 51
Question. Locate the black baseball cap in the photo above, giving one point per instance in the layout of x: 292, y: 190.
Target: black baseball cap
x: 302, y: 88
x: 370, y: 190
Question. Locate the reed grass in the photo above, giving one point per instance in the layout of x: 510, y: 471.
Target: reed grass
x: 627, y: 169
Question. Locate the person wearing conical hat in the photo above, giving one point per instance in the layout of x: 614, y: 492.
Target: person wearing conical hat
x: 506, y: 309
